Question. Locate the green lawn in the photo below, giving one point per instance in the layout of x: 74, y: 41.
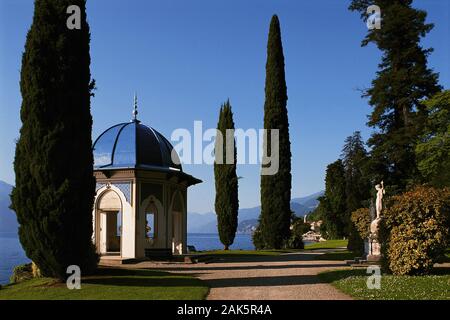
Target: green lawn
x: 329, y: 244
x: 338, y: 255
x: 113, y: 284
x: 354, y: 283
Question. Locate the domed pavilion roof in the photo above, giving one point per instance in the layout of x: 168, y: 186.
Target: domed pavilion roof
x: 132, y: 145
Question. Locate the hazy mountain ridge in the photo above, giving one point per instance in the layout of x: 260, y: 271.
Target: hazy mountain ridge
x: 248, y: 217
x: 8, y: 220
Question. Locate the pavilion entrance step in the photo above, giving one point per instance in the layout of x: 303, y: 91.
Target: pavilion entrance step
x: 115, y: 260
x: 163, y: 253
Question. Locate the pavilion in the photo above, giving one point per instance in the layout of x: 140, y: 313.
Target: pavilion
x: 140, y: 207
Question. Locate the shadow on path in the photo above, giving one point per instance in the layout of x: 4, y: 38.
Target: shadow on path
x: 251, y: 267
x: 264, y: 281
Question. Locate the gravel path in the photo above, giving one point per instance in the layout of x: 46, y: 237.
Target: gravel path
x: 290, y: 276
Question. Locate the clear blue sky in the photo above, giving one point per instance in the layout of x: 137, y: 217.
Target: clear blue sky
x: 184, y: 58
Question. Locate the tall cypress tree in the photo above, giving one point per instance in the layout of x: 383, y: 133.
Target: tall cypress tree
x: 276, y: 189
x: 54, y: 191
x: 333, y: 202
x: 403, y: 81
x: 357, y: 185
x: 226, y: 180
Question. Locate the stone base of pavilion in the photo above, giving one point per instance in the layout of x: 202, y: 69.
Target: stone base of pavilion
x: 111, y: 260
x: 115, y: 260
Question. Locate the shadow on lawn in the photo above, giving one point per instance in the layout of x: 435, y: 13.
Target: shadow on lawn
x: 141, y: 278
x: 336, y: 275
x: 116, y: 272
x: 145, y: 282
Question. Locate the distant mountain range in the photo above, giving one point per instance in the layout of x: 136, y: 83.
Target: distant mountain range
x: 197, y: 223
x: 248, y: 218
x: 8, y: 220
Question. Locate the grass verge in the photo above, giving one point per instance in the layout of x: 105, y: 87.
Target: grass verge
x: 245, y: 252
x: 354, y: 283
x: 337, y: 256
x: 329, y: 244
x: 112, y: 284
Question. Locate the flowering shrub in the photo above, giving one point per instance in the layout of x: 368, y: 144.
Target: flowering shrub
x: 415, y: 231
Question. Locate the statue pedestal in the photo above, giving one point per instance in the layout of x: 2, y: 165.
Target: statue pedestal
x: 374, y: 250
x: 372, y: 246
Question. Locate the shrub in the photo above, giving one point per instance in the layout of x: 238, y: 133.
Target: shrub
x: 355, y: 242
x: 295, y: 242
x: 361, y: 220
x: 414, y: 230
x: 21, y: 273
x: 359, y: 230
x: 299, y: 228
x: 257, y: 239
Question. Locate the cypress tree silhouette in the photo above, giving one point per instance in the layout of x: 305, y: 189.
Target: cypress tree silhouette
x: 226, y: 180
x: 276, y: 189
x: 55, y: 187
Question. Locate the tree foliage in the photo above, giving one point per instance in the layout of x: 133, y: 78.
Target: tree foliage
x: 347, y: 188
x: 333, y: 203
x: 299, y: 226
x: 276, y: 189
x: 396, y: 94
x: 357, y: 185
x: 55, y: 187
x: 433, y: 148
x: 226, y: 180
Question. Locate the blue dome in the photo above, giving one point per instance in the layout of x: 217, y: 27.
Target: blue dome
x: 134, y: 145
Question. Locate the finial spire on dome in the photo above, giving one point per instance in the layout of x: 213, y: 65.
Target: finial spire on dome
x: 135, y: 111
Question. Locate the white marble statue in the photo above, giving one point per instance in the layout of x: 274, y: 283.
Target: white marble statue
x: 373, y: 249
x: 379, y: 203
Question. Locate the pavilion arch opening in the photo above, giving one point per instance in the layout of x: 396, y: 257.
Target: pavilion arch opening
x: 151, y: 217
x: 177, y: 223
x: 109, y: 223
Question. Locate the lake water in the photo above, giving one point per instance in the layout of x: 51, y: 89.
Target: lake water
x: 12, y: 254
x: 211, y: 241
